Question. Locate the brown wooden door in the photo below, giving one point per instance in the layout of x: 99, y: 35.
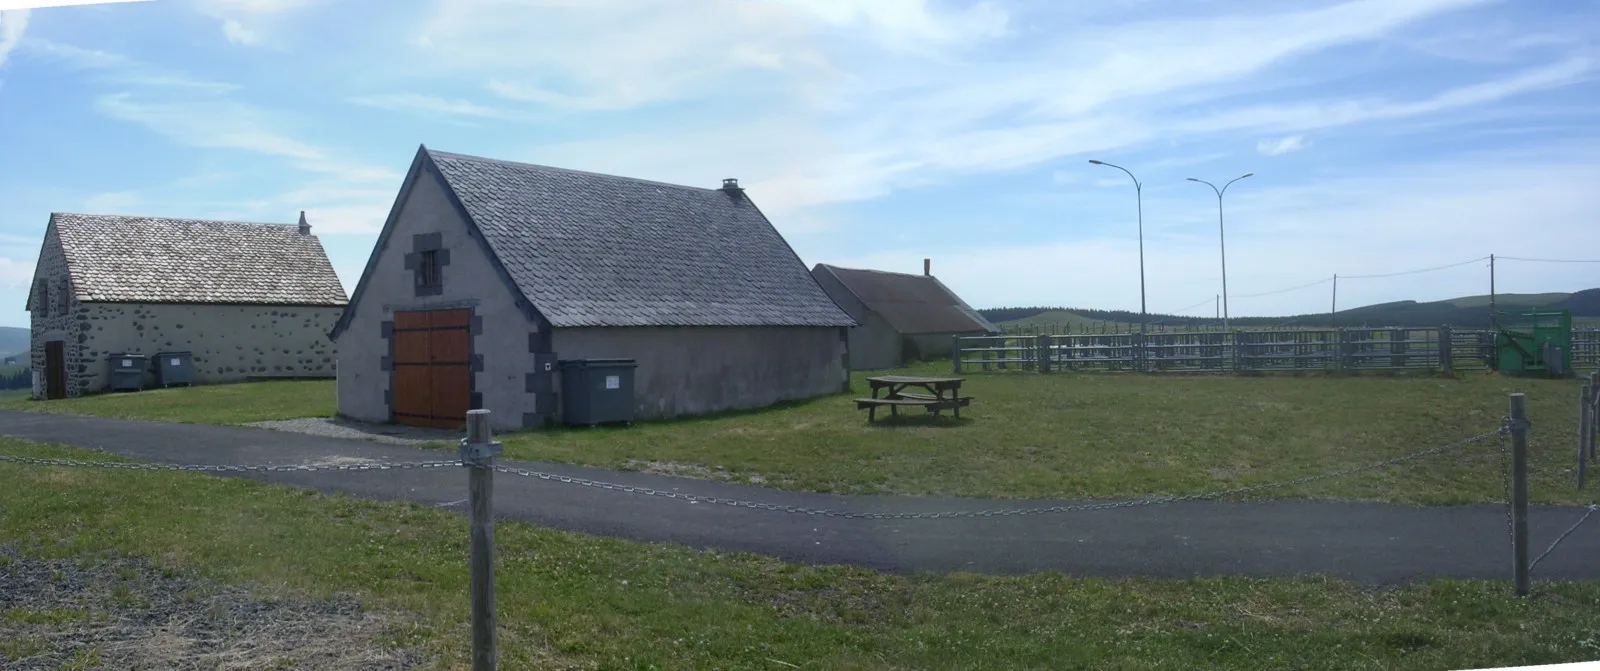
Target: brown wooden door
x: 55, y: 370
x: 432, y: 379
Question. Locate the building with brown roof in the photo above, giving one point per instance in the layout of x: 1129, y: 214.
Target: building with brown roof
x: 902, y: 317
x: 240, y: 300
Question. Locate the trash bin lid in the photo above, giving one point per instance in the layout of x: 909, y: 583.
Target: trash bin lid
x: 597, y: 363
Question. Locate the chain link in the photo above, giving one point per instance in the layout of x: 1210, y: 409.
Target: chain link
x: 992, y: 512
x: 229, y: 468
x: 1505, y: 479
x: 1562, y: 537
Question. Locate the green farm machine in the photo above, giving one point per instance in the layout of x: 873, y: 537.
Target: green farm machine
x: 1534, y: 343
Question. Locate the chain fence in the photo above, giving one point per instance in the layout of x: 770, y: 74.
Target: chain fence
x: 995, y: 512
x: 1501, y: 433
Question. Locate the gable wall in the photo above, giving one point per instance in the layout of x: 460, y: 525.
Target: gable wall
x: 874, y: 344
x: 501, y: 340
x: 57, y: 324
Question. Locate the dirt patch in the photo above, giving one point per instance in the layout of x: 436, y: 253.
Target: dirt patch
x: 692, y: 471
x: 393, y: 434
x: 124, y: 613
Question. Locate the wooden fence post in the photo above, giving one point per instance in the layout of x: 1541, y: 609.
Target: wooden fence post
x: 955, y: 352
x: 477, y: 452
x: 1043, y: 353
x: 1585, y: 429
x: 1519, y: 493
x: 1446, y: 350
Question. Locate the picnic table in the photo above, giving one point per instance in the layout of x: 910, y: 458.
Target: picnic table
x: 942, y: 393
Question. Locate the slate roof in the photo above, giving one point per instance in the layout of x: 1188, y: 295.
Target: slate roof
x: 117, y: 258
x: 912, y: 304
x: 600, y: 250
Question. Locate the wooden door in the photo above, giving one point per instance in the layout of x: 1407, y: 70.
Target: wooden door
x: 431, y: 384
x: 55, y: 370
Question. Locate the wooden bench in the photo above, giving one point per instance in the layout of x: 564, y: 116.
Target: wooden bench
x: 929, y: 402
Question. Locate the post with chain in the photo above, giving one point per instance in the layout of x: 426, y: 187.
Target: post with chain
x: 1519, y: 492
x: 1594, y: 412
x: 477, y: 453
x: 1585, y: 429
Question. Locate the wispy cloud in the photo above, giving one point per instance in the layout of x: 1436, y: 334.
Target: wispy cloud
x: 12, y: 25
x: 119, y: 69
x: 244, y: 21
x: 1281, y: 146
x: 417, y: 102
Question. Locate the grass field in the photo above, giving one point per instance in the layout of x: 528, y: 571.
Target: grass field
x: 210, y: 404
x: 1047, y: 436
x: 573, y: 601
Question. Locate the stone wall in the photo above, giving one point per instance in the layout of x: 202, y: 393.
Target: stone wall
x: 229, y: 343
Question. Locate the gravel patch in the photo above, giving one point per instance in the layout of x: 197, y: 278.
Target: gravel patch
x: 124, y: 613
x: 380, y: 433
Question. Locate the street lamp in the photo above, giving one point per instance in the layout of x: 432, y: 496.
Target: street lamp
x: 1222, y: 238
x: 1138, y: 190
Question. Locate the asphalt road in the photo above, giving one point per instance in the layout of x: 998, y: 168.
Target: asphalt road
x: 1370, y: 543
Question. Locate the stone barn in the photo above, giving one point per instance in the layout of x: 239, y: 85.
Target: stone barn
x: 487, y: 273
x: 244, y: 300
x: 902, y: 317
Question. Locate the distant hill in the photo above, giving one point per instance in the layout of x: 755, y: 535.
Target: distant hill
x: 13, y: 339
x: 1468, y: 311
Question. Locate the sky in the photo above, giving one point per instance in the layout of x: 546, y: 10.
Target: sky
x: 1383, y: 135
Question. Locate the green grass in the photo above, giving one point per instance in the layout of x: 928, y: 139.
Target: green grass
x: 207, y: 404
x: 1048, y: 436
x: 1109, y: 435
x: 573, y: 601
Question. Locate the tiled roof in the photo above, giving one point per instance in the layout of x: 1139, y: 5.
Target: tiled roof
x: 119, y: 258
x: 599, y: 250
x: 912, y: 304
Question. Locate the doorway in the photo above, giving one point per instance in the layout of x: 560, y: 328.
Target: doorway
x: 55, y: 370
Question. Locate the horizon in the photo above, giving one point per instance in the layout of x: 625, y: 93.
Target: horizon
x: 1396, y: 143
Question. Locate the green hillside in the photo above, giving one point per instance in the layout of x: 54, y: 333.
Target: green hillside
x: 13, y: 339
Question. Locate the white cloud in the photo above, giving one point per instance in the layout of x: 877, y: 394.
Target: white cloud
x: 1281, y: 237
x: 1281, y: 146
x: 12, y: 25
x: 428, y: 103
x: 119, y: 69
x: 238, y: 34
x: 245, y: 22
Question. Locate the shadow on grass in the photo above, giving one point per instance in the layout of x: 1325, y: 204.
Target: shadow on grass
x: 924, y: 420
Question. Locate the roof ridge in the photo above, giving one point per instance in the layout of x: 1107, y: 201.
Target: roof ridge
x: 875, y: 270
x: 551, y: 168
x: 103, y: 215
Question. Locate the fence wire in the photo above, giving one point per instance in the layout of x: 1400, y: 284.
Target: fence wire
x: 229, y: 468
x: 992, y: 512
x: 1562, y: 537
x: 774, y: 507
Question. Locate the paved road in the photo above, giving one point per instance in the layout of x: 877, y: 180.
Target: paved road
x: 1365, y: 542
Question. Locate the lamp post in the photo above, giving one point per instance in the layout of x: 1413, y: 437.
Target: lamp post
x: 1223, y: 239
x: 1138, y: 191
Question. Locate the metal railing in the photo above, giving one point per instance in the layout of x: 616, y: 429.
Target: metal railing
x: 1345, y: 349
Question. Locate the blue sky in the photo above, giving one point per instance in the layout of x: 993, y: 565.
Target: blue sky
x: 1384, y: 135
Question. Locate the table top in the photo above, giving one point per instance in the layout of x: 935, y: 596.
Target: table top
x: 907, y: 379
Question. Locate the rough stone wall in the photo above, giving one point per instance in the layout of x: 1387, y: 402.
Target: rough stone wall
x: 228, y: 342
x: 61, y: 320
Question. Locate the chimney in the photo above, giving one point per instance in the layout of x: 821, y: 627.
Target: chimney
x: 731, y: 185
x: 305, y: 228
x: 927, y: 266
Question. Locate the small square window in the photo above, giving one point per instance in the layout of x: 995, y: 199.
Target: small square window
x: 428, y: 269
